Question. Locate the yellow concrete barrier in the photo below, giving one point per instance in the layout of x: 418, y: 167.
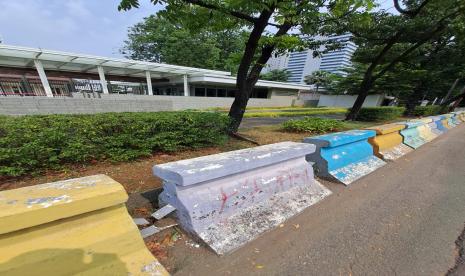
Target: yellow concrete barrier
x: 78, y: 226
x: 387, y: 144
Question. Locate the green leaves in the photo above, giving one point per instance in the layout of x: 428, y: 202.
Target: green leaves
x: 34, y: 143
x: 377, y: 114
x: 313, y: 125
x: 276, y: 75
x: 159, y: 40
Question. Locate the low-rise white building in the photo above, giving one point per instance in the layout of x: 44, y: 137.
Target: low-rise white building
x: 38, y: 73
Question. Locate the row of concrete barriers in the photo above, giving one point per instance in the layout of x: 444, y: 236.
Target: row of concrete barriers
x: 230, y: 198
x: 227, y: 199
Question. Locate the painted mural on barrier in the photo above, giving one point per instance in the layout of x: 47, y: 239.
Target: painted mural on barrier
x: 236, y: 196
x: 344, y: 156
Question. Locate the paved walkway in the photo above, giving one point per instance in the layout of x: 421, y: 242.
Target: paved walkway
x: 403, y: 219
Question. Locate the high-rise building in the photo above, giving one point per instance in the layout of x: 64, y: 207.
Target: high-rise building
x: 301, y: 64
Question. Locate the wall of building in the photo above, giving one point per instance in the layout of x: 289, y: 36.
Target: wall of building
x: 348, y: 100
x: 123, y: 103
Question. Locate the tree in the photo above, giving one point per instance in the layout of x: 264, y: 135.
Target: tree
x: 390, y: 38
x: 320, y: 79
x: 274, y: 26
x: 157, y: 39
x: 426, y: 73
x: 276, y: 75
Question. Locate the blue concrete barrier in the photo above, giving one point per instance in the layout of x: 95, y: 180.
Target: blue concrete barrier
x: 433, y: 125
x: 344, y: 156
x: 230, y: 198
x: 438, y: 120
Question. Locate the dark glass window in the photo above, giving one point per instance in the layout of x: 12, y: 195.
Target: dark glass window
x: 221, y: 92
x: 200, y: 92
x: 211, y: 92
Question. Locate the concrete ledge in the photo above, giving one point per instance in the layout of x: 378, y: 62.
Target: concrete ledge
x: 424, y: 128
x: 411, y: 134
x: 78, y: 226
x: 433, y: 125
x: 344, y: 156
x: 229, y: 199
x: 387, y: 144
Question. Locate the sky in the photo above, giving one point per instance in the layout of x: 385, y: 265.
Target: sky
x: 94, y: 27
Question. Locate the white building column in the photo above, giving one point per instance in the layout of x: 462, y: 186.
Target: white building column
x: 186, y: 86
x: 43, y: 77
x: 149, y: 82
x: 103, y: 81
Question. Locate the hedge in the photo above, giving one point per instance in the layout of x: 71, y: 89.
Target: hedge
x: 429, y: 110
x: 31, y: 144
x: 383, y: 113
x: 313, y: 125
x: 297, y: 113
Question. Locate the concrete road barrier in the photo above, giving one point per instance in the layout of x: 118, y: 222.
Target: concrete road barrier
x: 229, y: 199
x: 440, y: 121
x: 445, y: 122
x: 344, y: 156
x: 78, y: 226
x: 450, y: 120
x: 411, y: 134
x: 424, y: 129
x: 456, y: 118
x: 388, y: 143
x: 460, y: 115
x: 433, y: 125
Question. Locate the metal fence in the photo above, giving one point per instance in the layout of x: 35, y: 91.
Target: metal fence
x: 66, y: 88
x: 25, y: 87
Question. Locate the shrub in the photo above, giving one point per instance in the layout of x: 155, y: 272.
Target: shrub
x: 382, y: 113
x: 429, y: 110
x: 296, y: 113
x: 30, y: 144
x: 313, y: 125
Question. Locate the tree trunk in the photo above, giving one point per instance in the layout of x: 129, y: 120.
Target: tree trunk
x: 457, y: 99
x: 413, y: 99
x: 365, y: 87
x: 237, y: 110
x: 450, y: 90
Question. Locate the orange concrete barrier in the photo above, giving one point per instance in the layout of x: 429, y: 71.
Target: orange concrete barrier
x: 387, y: 144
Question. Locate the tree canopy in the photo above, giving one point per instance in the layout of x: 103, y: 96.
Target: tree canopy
x: 322, y: 79
x: 389, y: 39
x: 158, y: 39
x: 276, y: 75
x: 273, y: 26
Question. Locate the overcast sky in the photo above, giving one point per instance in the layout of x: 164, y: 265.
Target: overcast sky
x: 82, y: 26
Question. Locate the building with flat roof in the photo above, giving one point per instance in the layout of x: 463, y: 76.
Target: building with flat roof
x: 33, y: 73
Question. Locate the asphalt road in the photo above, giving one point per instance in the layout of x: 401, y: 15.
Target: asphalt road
x: 403, y: 219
